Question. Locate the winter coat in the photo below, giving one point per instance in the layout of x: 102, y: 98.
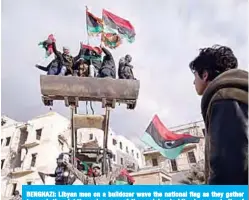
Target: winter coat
x: 225, y: 112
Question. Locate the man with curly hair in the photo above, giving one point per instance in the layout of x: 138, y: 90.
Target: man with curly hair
x: 224, y: 106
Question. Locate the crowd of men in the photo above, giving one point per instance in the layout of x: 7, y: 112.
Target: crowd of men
x: 83, y: 65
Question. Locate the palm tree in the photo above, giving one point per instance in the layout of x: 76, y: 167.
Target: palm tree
x: 196, y: 175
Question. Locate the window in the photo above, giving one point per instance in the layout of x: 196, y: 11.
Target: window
x: 38, y: 134
x: 7, y: 141
x: 91, y: 136
x: 29, y: 183
x: 33, y: 160
x: 132, y: 152
x: 114, y: 142
x: 114, y: 157
x: 14, y: 185
x: 164, y: 180
x: 127, y: 150
x: 120, y: 145
x: 191, y: 157
x: 173, y: 165
x: 2, y: 163
x: 121, y: 161
x: 154, y: 162
x: 133, y: 165
x: 137, y: 156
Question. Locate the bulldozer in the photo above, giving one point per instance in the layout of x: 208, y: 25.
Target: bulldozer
x: 108, y: 92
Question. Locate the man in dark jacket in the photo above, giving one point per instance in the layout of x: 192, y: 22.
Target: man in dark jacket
x: 68, y: 60
x: 125, y: 68
x: 224, y: 109
x: 108, y: 68
x: 61, y: 173
x: 54, y: 67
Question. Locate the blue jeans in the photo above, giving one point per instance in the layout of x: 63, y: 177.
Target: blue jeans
x: 63, y: 71
x: 54, y: 70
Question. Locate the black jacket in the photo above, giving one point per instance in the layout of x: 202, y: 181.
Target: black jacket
x: 225, y: 112
x: 108, y: 61
x: 59, y: 175
x: 57, y: 62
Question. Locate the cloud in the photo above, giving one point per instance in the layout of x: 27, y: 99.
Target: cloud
x: 169, y: 34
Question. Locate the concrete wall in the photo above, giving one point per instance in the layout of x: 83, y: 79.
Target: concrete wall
x: 151, y: 177
x: 147, y: 179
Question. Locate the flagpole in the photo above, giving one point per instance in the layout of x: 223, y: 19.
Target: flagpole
x: 88, y: 43
x: 86, y: 28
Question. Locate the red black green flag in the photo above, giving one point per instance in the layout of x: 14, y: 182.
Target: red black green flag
x: 169, y: 144
x: 118, y: 25
x: 94, y: 24
x: 90, y: 52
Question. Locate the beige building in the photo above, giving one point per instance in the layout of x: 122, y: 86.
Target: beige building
x: 27, y: 148
x: 191, y: 154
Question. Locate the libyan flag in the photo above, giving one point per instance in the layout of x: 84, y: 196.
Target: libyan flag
x: 48, y: 47
x: 94, y: 24
x: 111, y: 40
x: 90, y: 53
x: 118, y: 25
x: 168, y: 143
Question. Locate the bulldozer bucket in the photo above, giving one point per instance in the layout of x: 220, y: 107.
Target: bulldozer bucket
x: 89, y: 89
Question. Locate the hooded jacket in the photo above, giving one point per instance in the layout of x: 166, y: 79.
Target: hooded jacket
x: 108, y: 62
x: 225, y: 112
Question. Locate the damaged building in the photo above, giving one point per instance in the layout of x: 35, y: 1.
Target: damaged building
x: 32, y: 147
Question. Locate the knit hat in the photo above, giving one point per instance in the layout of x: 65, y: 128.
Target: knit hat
x: 66, y: 50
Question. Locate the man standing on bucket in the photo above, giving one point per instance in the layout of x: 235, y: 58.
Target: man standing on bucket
x: 224, y: 106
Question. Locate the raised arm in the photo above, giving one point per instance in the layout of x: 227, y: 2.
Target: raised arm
x: 81, y: 176
x: 79, y: 54
x: 42, y: 67
x: 108, y: 53
x: 56, y: 52
x: 51, y: 175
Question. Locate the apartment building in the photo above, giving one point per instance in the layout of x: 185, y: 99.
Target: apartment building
x: 27, y: 148
x: 125, y: 152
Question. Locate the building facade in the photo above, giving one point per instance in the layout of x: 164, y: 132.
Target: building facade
x: 29, y: 148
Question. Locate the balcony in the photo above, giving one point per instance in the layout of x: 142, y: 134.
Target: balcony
x: 22, y: 171
x: 30, y: 144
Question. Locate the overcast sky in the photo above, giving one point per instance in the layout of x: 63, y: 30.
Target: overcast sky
x: 169, y: 34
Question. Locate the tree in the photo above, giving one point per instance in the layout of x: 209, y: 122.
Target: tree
x: 196, y: 175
